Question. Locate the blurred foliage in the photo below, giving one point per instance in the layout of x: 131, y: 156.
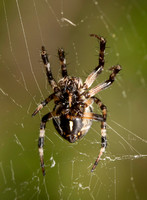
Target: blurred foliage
x: 24, y: 27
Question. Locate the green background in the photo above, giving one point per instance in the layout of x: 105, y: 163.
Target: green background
x: 24, y: 27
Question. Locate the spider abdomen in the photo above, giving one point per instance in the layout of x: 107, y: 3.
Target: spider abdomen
x: 72, y: 128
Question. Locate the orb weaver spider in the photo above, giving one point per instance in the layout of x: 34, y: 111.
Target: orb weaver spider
x: 73, y: 113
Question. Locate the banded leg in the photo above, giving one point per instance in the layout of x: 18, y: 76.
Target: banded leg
x: 45, y: 60
x: 62, y: 59
x: 91, y: 78
x: 43, y: 103
x: 89, y: 115
x: 41, y: 138
x: 102, y: 86
x: 103, y: 130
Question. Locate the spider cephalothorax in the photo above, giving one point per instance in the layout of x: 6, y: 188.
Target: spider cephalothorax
x: 73, y: 114
x: 69, y: 88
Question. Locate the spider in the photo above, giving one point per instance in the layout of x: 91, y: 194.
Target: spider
x: 73, y: 114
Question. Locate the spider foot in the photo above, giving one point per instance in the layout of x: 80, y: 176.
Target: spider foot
x: 98, y: 158
x: 43, y: 170
x: 94, y: 166
x: 37, y: 110
x: 43, y: 48
x: 94, y: 35
x: 34, y: 113
x: 61, y: 54
x: 115, y: 68
x: 42, y: 166
x: 44, y: 56
x: 102, y: 40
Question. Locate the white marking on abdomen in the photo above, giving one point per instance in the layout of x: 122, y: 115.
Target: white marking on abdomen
x: 71, y: 125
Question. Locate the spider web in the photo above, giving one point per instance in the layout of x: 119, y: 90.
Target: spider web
x: 25, y: 27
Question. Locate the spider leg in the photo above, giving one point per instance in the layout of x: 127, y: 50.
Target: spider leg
x: 45, y: 118
x: 91, y: 78
x: 62, y: 59
x: 103, y: 130
x: 43, y: 103
x: 107, y: 83
x: 46, y: 62
x: 88, y: 115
